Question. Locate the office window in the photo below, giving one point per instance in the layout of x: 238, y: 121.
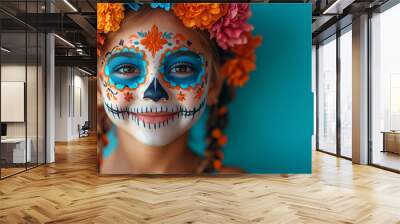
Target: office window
x: 346, y: 92
x: 15, y: 149
x: 22, y: 90
x: 327, y: 95
x: 385, y: 88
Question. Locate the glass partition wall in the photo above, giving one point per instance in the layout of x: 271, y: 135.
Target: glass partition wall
x: 334, y: 93
x: 22, y: 77
x: 345, y: 62
x: 327, y: 95
x: 385, y: 89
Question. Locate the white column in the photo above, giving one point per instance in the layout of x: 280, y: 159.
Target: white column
x: 360, y: 90
x: 50, y: 100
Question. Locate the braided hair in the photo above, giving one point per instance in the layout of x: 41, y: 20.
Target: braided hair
x: 218, y: 112
x: 216, y: 124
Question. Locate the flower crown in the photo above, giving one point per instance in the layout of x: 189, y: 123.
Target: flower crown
x: 227, y: 23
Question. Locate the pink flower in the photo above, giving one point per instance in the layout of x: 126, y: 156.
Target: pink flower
x: 230, y: 29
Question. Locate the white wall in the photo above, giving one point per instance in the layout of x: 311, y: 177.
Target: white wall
x: 16, y: 73
x: 61, y: 103
x: 33, y: 127
x: 314, y: 91
x: 71, y: 102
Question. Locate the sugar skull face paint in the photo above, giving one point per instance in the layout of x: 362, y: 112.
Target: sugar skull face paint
x: 126, y: 68
x: 154, y: 80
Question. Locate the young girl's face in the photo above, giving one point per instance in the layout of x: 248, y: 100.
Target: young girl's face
x: 153, y: 75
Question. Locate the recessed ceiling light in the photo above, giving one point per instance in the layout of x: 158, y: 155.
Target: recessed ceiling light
x: 84, y: 71
x: 70, y: 5
x: 5, y: 50
x: 64, y: 40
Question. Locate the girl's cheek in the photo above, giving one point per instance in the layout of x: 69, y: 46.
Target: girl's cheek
x: 190, y: 97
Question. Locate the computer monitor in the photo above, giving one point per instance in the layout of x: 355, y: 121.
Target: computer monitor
x: 3, y: 129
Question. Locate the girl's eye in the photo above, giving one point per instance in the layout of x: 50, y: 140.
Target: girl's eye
x: 127, y: 70
x: 182, y: 69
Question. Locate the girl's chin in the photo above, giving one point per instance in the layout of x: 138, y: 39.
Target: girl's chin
x: 155, y: 137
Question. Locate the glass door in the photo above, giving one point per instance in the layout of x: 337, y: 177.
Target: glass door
x: 22, y: 78
x: 14, y: 156
x: 346, y: 75
x: 327, y: 96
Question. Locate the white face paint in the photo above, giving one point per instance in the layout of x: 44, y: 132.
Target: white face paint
x: 154, y: 83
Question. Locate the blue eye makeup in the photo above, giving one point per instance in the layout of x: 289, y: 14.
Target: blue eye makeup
x: 183, y: 68
x: 126, y: 68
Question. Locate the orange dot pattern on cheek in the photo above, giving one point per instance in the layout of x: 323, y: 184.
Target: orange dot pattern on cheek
x: 181, y: 96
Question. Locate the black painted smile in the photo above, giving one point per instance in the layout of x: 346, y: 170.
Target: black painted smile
x: 153, y: 117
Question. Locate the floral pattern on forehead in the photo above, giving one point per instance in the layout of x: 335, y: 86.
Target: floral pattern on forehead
x: 154, y: 40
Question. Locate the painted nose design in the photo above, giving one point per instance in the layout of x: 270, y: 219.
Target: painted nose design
x: 155, y: 91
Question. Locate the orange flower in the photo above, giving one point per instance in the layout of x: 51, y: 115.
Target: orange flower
x: 248, y: 50
x: 222, y: 140
x: 154, y: 41
x: 237, y: 70
x: 100, y: 42
x: 109, y: 16
x: 219, y: 155
x: 223, y: 110
x: 217, y: 164
x: 216, y: 133
x: 200, y: 15
x: 181, y: 96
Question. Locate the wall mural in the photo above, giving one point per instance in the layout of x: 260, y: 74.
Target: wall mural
x: 164, y: 68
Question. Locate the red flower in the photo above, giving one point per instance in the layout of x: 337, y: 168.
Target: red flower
x: 231, y: 28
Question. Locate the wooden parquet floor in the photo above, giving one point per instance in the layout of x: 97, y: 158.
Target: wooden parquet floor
x: 70, y: 191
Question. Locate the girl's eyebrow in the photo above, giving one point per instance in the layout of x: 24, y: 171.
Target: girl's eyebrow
x: 124, y: 54
x: 183, y: 53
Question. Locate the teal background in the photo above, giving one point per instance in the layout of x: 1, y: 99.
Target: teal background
x: 271, y: 119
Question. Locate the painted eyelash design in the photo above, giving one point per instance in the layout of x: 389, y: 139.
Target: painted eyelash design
x: 121, y: 57
x: 132, y: 112
x: 180, y: 63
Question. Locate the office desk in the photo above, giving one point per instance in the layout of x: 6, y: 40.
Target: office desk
x: 13, y: 150
x: 391, y: 141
